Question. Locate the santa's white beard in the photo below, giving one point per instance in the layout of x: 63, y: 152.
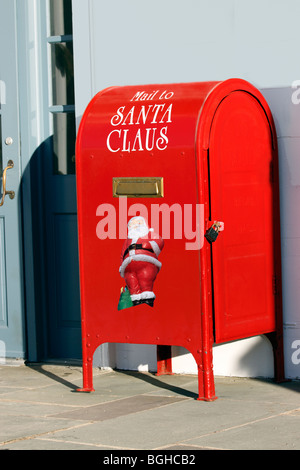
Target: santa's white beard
x: 137, y: 233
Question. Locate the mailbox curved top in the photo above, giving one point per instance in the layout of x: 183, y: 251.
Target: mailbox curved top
x: 143, y: 119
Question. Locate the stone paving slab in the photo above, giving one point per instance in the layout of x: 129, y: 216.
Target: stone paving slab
x: 116, y: 408
x: 279, y: 432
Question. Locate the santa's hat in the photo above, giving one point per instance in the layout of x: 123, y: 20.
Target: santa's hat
x: 133, y: 222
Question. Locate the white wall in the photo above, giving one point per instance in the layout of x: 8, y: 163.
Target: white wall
x: 122, y: 42
x: 285, y: 106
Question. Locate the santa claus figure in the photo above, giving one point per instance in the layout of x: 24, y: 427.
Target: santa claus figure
x: 139, y: 261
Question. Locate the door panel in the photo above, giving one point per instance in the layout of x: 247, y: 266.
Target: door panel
x: 242, y: 197
x: 64, y: 302
x: 11, y: 316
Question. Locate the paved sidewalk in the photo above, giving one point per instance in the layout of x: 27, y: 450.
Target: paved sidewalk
x: 41, y: 410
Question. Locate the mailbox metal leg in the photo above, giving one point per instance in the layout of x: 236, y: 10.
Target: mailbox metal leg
x: 206, y: 381
x: 204, y: 354
x: 164, y: 360
x: 209, y: 385
x: 87, y: 370
x: 206, y: 386
x: 87, y: 361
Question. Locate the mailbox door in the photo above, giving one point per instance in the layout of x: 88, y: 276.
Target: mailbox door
x: 241, y: 195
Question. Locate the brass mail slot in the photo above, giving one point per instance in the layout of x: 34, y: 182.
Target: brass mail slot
x: 138, y: 187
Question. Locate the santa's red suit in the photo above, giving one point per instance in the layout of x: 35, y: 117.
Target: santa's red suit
x: 140, y: 265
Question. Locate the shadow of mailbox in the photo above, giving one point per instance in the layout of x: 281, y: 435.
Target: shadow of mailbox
x: 191, y: 159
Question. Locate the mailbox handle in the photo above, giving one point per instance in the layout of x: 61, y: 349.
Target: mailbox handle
x: 220, y: 226
x: 10, y: 165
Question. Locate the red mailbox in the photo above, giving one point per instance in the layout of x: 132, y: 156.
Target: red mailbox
x: 175, y: 162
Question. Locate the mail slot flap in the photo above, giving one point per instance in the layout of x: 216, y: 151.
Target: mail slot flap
x: 138, y: 187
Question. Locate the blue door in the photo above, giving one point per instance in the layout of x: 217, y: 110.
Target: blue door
x: 12, y: 329
x: 37, y: 166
